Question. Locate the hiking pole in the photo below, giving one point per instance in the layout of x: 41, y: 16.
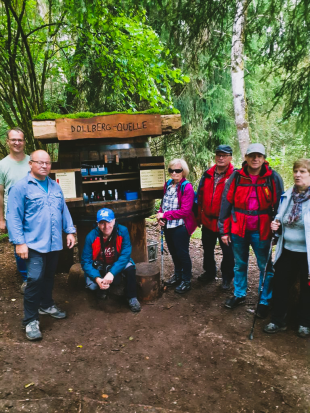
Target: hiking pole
x: 251, y: 336
x: 162, y: 254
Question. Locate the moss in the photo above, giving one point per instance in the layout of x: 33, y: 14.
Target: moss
x: 51, y: 115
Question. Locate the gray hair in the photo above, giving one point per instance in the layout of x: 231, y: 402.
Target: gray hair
x: 183, y: 165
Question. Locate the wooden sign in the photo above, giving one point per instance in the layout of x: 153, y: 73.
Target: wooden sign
x: 110, y: 126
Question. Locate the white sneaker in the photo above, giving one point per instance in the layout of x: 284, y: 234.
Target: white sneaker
x: 33, y: 331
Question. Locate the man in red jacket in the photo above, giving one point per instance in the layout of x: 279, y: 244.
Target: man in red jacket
x: 210, y: 192
x: 250, y: 201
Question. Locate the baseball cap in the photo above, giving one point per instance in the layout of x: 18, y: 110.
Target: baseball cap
x: 105, y: 214
x: 256, y: 148
x: 224, y: 148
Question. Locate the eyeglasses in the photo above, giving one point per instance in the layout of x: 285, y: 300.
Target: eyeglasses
x: 222, y: 155
x: 177, y: 171
x: 17, y: 140
x: 40, y: 163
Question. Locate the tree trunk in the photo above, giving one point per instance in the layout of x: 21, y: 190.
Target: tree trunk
x: 237, y: 77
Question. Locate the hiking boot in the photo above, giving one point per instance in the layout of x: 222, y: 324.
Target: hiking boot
x: 134, y: 305
x: 233, y: 302
x: 272, y: 328
x: 206, y: 278
x: 183, y: 287
x: 53, y: 311
x: 226, y: 285
x: 303, y: 331
x: 23, y: 287
x: 262, y: 311
x: 101, y: 294
x: 174, y: 280
x: 33, y: 331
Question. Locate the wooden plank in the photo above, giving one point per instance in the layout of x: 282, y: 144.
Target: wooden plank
x: 46, y: 129
x: 54, y: 171
x: 110, y: 180
x: 152, y: 189
x: 118, y: 173
x: 110, y: 126
x: 152, y: 164
x: 74, y: 199
x: 170, y: 123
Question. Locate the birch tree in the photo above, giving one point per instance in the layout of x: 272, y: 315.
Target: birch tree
x: 237, y: 77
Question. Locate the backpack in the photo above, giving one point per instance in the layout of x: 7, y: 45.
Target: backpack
x: 183, y: 185
x: 267, y: 183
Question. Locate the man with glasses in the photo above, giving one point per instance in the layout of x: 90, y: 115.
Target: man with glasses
x: 250, y: 201
x: 210, y: 192
x: 37, y: 215
x: 13, y: 167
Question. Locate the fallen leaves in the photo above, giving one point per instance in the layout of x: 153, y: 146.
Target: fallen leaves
x: 79, y: 346
x: 29, y: 385
x: 104, y: 396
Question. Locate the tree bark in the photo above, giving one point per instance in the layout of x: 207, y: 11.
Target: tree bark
x: 237, y: 77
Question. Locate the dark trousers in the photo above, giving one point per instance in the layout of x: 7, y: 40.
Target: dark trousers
x: 130, y: 281
x: 209, y: 239
x: 177, y: 240
x: 21, y: 266
x: 290, y: 265
x: 41, y: 268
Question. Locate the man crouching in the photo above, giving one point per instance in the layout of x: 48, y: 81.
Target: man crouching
x: 106, y: 258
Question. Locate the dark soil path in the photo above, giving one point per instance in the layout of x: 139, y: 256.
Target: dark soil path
x: 180, y: 354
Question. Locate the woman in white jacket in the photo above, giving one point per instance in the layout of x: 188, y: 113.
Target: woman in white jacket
x: 293, y: 251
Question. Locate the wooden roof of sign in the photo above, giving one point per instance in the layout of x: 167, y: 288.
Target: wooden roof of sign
x: 108, y: 126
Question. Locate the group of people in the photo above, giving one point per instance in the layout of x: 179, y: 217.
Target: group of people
x: 243, y: 208
x: 238, y: 207
x: 35, y: 213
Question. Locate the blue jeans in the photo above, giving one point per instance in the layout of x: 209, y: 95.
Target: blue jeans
x: 21, y: 265
x: 40, y: 282
x: 130, y: 281
x: 241, y: 252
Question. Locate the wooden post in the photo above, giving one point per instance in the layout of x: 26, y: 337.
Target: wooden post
x: 148, y: 281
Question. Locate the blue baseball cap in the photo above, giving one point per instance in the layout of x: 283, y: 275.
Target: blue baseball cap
x: 224, y: 148
x: 105, y: 214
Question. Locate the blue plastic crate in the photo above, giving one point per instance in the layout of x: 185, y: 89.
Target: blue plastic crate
x: 131, y: 195
x: 93, y: 170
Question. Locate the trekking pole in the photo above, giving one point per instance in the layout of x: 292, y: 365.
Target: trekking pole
x: 251, y: 336
x: 162, y: 254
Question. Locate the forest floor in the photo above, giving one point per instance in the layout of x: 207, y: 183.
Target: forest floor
x: 179, y: 354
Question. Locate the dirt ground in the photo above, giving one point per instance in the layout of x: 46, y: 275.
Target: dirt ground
x: 179, y: 354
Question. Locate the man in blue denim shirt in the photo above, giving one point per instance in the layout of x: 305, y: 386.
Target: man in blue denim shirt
x: 36, y: 217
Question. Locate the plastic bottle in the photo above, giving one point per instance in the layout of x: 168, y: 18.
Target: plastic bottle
x: 92, y: 197
x: 85, y: 198
x: 116, y: 195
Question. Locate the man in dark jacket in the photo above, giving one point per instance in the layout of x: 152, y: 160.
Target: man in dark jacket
x: 250, y: 201
x: 210, y: 192
x: 106, y: 258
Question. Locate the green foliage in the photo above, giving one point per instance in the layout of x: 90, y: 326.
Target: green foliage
x: 4, y: 237
x: 282, y: 45
x: 51, y: 115
x: 79, y: 55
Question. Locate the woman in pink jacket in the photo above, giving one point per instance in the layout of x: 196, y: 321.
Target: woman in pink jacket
x: 178, y: 219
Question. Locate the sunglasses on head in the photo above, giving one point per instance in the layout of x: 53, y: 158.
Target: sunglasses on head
x: 177, y: 171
